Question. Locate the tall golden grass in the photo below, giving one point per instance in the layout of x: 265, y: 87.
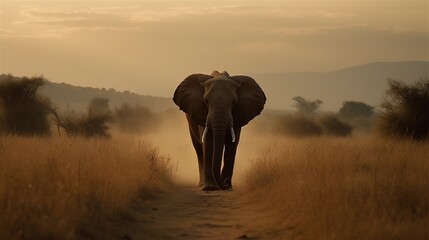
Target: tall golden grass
x: 52, y: 188
x: 354, y: 188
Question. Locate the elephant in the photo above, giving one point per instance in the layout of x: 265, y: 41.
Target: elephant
x: 216, y: 107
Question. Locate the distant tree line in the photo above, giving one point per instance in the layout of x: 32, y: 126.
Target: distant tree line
x: 24, y: 111
x: 404, y: 113
x: 308, y: 120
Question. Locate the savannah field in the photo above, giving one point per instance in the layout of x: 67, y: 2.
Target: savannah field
x: 332, y: 97
x: 130, y: 173
x: 353, y: 188
x: 61, y: 188
x: 361, y: 187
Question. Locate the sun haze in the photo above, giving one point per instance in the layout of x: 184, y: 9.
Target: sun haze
x: 304, y: 140
x: 149, y: 46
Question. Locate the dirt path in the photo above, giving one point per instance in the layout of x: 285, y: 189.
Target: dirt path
x: 189, y: 213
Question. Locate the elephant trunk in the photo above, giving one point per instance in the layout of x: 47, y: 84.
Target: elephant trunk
x: 219, y: 134
x: 203, y: 138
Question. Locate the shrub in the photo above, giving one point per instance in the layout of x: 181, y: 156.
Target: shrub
x: 134, y: 119
x: 331, y: 125
x: 24, y: 111
x: 352, y: 110
x: 299, y: 125
x: 99, y: 105
x: 93, y: 123
x: 303, y: 125
x: 85, y: 124
x: 405, y: 111
x: 96, y: 125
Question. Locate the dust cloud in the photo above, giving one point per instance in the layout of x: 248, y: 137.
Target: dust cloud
x: 173, y: 139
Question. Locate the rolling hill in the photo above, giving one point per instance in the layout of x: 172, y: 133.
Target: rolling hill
x: 366, y: 83
x: 78, y: 97
x: 64, y: 96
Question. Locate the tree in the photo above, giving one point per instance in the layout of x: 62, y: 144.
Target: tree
x: 24, y: 111
x: 353, y: 110
x: 405, y: 111
x: 305, y: 106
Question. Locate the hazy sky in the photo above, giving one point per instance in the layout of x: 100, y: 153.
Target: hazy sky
x: 148, y: 47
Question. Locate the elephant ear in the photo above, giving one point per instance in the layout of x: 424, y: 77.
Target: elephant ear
x: 189, y: 97
x: 251, y: 100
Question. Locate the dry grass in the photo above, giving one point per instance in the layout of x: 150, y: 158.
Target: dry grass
x: 52, y: 188
x: 356, y: 188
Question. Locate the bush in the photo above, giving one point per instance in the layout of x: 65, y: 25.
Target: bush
x: 99, y: 106
x: 299, y: 125
x: 134, y: 119
x: 96, y: 125
x: 22, y: 110
x: 86, y: 124
x: 405, y: 111
x: 93, y: 123
x: 331, y: 125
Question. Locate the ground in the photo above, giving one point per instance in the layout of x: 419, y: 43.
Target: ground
x: 186, y: 212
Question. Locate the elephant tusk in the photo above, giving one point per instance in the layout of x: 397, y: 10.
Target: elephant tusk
x: 204, y: 135
x: 232, y: 134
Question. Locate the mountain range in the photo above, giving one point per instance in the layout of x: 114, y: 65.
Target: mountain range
x: 366, y: 83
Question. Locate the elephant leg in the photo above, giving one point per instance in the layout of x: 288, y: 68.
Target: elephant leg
x: 229, y: 157
x: 196, y: 132
x: 199, y: 150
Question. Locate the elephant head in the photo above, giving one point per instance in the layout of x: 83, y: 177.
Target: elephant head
x: 219, y: 103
